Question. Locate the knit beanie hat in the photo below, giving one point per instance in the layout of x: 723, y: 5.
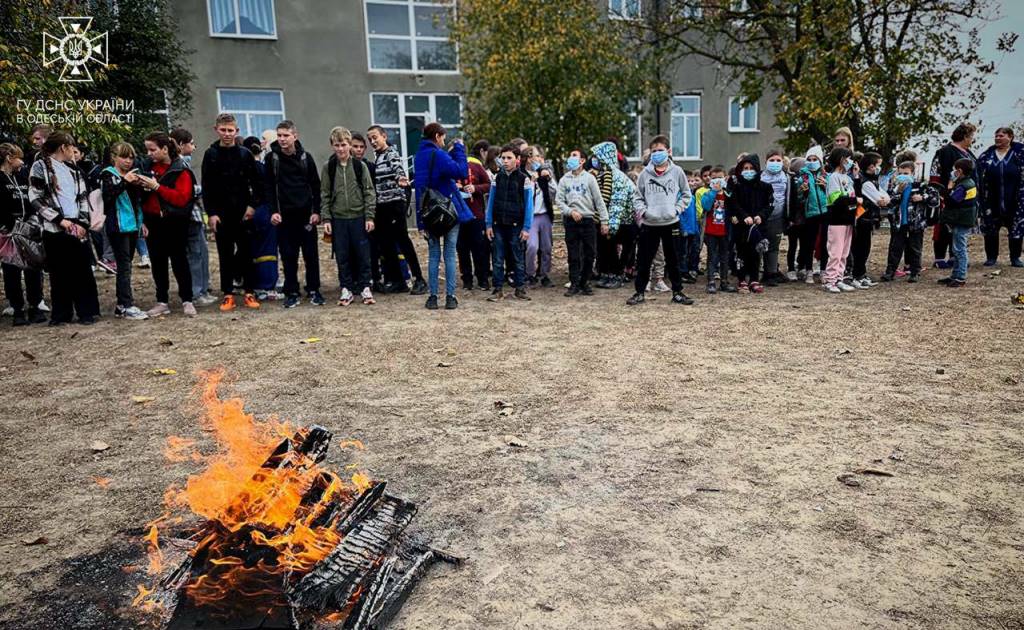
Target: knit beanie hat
x: 816, y: 151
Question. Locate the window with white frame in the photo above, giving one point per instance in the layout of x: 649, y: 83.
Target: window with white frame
x: 742, y: 118
x: 625, y: 9
x: 635, y: 135
x: 255, y: 110
x: 685, y: 135
x: 409, y: 35
x: 403, y: 116
x: 242, y: 18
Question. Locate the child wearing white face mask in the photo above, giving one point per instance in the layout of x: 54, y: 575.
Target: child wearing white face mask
x: 810, y: 191
x: 716, y: 232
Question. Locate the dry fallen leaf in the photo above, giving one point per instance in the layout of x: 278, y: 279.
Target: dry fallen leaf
x: 444, y: 364
x: 99, y: 446
x: 140, y: 400
x: 164, y: 341
x: 874, y: 471
x: 216, y: 344
x: 512, y: 440
x: 28, y: 355
x: 309, y: 340
x: 102, y: 482
x: 506, y: 411
x: 164, y: 372
x: 41, y: 540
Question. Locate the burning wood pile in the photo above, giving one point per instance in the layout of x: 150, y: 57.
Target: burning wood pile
x: 286, y: 543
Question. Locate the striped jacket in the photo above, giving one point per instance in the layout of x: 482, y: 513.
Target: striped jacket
x: 385, y: 179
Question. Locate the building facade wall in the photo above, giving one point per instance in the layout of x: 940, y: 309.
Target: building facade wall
x: 319, y: 61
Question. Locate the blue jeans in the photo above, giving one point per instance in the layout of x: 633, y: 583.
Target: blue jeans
x: 507, y: 241
x: 198, y: 259
x: 451, y: 274
x: 960, y: 251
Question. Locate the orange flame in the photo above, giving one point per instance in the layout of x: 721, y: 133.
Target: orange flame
x: 156, y: 557
x: 249, y: 506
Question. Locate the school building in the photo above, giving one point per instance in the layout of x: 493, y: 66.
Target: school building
x: 323, y: 63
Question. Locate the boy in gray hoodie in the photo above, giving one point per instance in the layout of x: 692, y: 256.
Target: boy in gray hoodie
x: 582, y: 207
x: 662, y: 195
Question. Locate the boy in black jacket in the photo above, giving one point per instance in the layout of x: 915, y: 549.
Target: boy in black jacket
x: 508, y: 218
x: 293, y: 185
x: 231, y: 190
x: 913, y: 204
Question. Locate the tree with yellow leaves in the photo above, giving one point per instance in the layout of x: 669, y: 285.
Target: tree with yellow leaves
x: 559, y: 74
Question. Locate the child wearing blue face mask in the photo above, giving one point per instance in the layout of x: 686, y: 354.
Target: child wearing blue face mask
x: 775, y: 175
x: 842, y: 212
x: 663, y: 194
x: 748, y: 205
x: 582, y: 208
x: 912, y: 202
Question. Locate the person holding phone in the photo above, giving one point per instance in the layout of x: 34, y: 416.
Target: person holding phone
x: 121, y: 188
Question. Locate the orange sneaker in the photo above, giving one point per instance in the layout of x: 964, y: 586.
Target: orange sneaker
x: 251, y: 301
x: 227, y: 304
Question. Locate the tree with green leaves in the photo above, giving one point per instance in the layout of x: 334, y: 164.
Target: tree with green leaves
x: 890, y: 70
x: 559, y: 74
x: 146, y: 61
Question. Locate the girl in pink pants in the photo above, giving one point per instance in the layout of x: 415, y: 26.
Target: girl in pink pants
x: 842, y: 212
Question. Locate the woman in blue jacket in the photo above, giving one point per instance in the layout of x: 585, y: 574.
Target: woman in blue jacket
x: 1001, y: 195
x: 447, y: 168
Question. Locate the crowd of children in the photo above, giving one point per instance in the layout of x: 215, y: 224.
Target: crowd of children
x: 265, y: 202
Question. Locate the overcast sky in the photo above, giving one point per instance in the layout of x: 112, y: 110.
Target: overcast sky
x: 1000, y: 107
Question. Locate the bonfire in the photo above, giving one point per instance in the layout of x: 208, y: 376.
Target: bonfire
x: 266, y: 536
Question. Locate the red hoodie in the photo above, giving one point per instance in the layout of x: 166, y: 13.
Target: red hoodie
x: 481, y: 185
x: 177, y: 196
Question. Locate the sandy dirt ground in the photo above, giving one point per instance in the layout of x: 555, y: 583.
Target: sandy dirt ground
x: 680, y: 463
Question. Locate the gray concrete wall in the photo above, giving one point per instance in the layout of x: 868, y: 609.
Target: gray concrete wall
x: 718, y: 144
x: 319, y: 60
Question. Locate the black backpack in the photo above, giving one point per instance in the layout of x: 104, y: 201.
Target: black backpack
x: 436, y: 211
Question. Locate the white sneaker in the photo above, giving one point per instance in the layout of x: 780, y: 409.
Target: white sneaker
x: 43, y: 307
x: 809, y: 278
x: 189, y: 309
x: 159, y: 310
x: 132, y: 312
x: 661, y: 287
x: 143, y: 262
x: 367, y: 296
x: 842, y: 286
x: 855, y: 283
x: 9, y: 311
x: 567, y: 285
x: 791, y: 276
x: 206, y: 299
x: 866, y: 282
x: 831, y: 288
x: 346, y: 298
x: 817, y: 270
